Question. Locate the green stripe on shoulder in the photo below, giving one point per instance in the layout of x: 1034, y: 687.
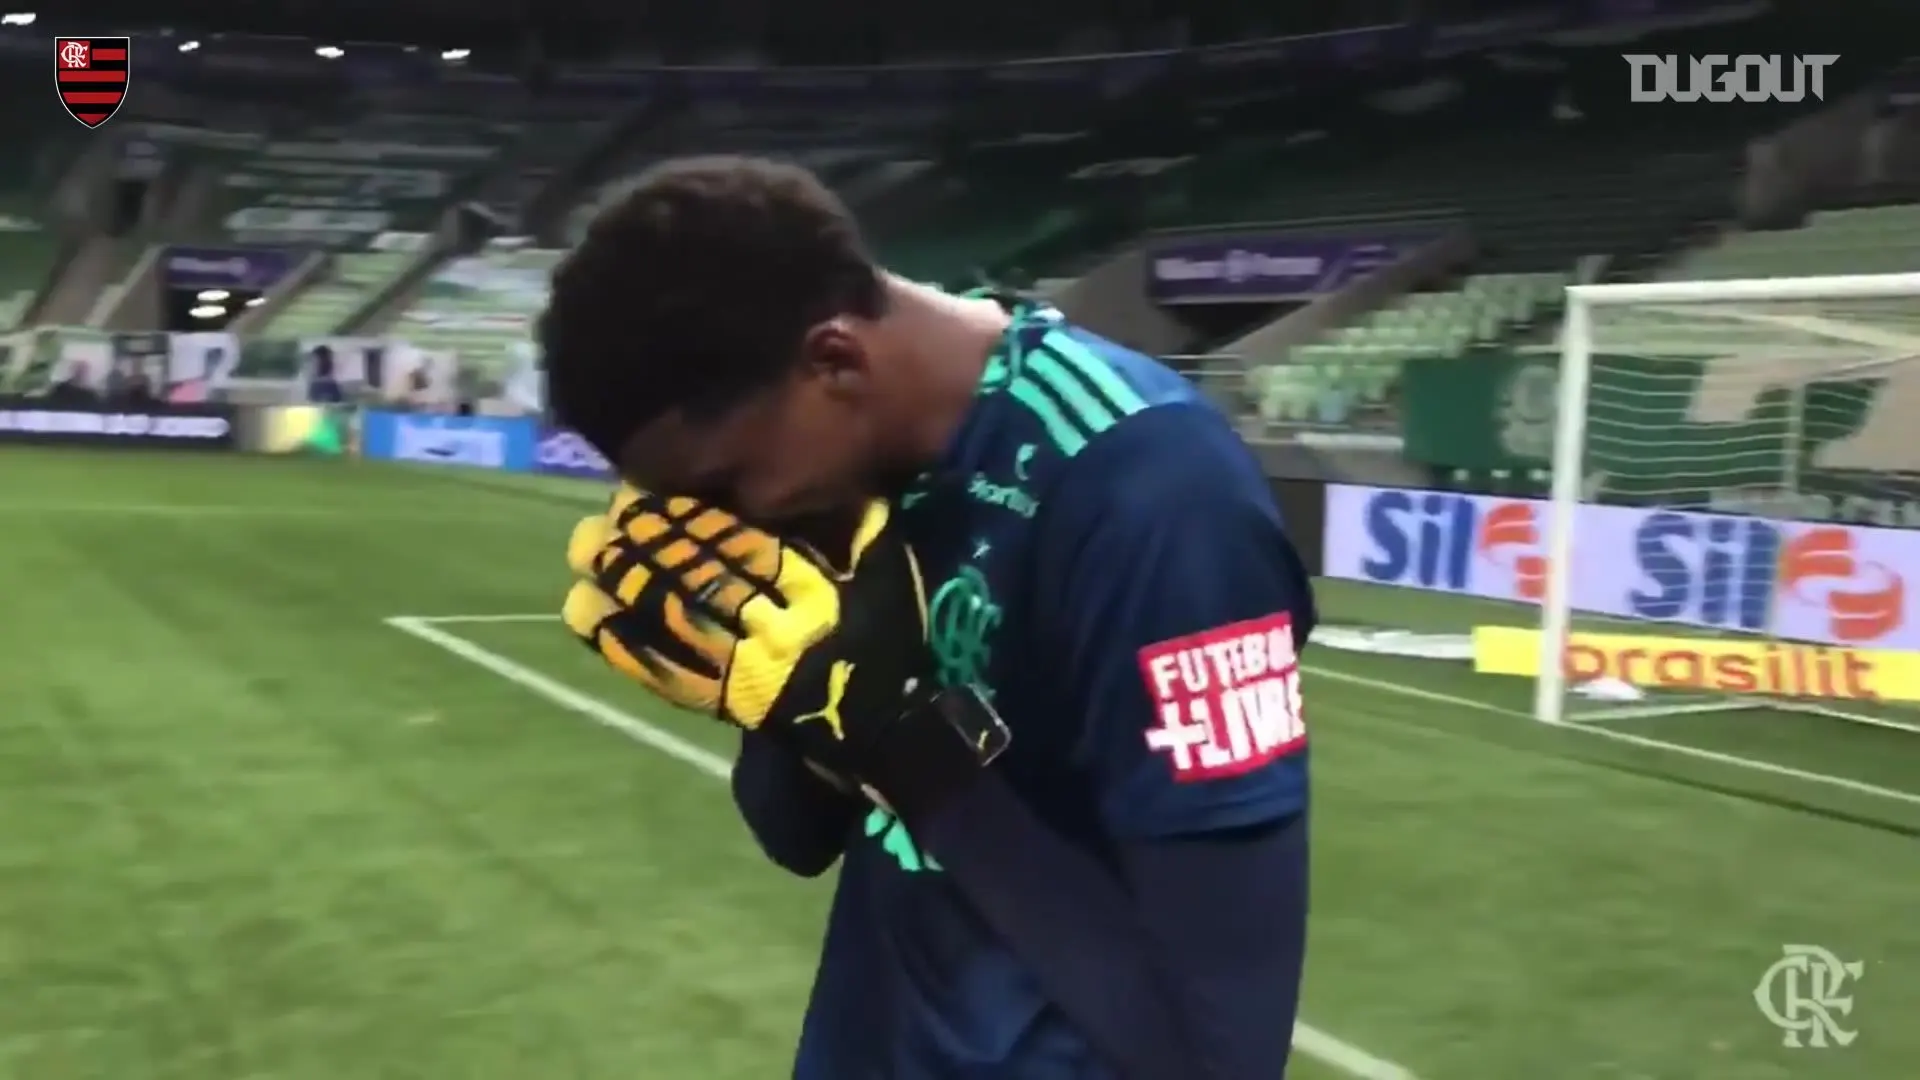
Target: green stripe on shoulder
x: 1124, y: 400
x: 1073, y: 393
x: 1063, y: 433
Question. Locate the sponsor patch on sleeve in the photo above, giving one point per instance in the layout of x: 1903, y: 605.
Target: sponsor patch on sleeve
x: 1226, y: 700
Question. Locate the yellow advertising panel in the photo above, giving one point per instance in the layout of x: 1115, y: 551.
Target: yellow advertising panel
x: 1780, y: 668
x: 301, y: 429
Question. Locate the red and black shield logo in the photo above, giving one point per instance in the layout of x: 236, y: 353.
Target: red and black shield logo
x: 92, y: 76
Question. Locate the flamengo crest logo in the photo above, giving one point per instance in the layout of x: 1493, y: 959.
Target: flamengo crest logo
x: 1227, y: 699
x: 91, y: 75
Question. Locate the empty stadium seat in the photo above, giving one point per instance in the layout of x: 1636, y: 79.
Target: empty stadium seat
x: 340, y: 184
x: 840, y: 142
x: 353, y: 278
x: 551, y: 143
x: 1536, y: 193
x: 28, y: 251
x: 481, y: 308
x: 41, y: 143
x: 1354, y: 369
x: 1858, y: 240
x: 1036, y: 179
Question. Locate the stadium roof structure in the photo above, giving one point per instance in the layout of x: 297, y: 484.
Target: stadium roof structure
x: 846, y: 32
x: 783, y: 31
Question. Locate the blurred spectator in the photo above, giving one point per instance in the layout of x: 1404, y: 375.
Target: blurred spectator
x: 323, y: 388
x: 76, y: 388
x: 128, y: 384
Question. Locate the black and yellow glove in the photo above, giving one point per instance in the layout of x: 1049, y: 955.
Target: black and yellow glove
x: 718, y: 616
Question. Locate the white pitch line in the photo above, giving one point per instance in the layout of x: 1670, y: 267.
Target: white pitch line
x: 1418, y: 694
x: 568, y: 698
x: 1307, y: 1039
x: 448, y: 620
x: 1735, y: 760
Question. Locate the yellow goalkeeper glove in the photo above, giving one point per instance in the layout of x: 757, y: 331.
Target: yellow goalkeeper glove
x: 727, y: 619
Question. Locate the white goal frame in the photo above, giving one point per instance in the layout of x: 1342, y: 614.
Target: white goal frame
x: 1569, y: 447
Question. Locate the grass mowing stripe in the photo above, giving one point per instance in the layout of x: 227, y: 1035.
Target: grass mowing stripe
x: 1308, y: 1040
x: 1644, y: 741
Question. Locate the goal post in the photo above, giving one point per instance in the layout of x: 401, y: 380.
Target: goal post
x: 1762, y: 419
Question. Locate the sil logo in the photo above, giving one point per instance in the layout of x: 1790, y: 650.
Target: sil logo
x: 1865, y: 600
x: 1510, y: 536
x: 1433, y: 539
x: 1730, y: 572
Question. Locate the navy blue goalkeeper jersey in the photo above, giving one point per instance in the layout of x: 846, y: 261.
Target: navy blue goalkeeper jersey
x: 1104, y: 558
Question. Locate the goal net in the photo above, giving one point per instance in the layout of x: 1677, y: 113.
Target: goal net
x: 1736, y: 501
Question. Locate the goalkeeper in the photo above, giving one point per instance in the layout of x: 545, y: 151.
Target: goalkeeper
x: 1122, y: 894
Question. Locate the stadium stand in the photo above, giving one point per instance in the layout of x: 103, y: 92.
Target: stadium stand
x: 1008, y: 200
x: 480, y: 308
x: 338, y: 185
x: 551, y: 143
x: 40, y: 148
x: 564, y: 124
x: 1638, y: 187
x: 809, y: 120
x: 29, y: 250
x: 541, y: 138
x: 341, y: 288
x: 1326, y: 382
x: 1848, y: 240
x: 1851, y: 240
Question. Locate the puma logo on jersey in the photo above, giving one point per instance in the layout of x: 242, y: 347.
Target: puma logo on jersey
x: 837, y: 678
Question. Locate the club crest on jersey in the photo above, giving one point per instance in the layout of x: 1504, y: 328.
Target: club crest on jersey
x: 90, y: 75
x: 1226, y: 700
x: 963, y: 618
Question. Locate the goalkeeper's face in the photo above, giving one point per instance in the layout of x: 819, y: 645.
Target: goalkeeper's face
x: 805, y: 446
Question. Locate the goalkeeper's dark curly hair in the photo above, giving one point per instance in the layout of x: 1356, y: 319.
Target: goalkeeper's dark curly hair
x: 694, y: 289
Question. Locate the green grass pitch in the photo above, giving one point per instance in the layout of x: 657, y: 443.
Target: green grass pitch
x: 248, y: 830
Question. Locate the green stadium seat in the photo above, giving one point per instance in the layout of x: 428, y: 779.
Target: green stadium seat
x: 481, y: 308
x: 41, y: 145
x: 1858, y: 240
x: 549, y: 146
x: 1007, y: 198
x: 1353, y: 371
x: 1880, y: 239
x: 28, y: 251
x: 353, y: 278
x: 302, y: 188
x: 412, y: 194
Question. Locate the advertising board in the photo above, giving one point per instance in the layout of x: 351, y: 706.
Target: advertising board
x: 1799, y: 581
x: 479, y: 442
x: 156, y: 425
x: 1252, y: 268
x: 563, y: 453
